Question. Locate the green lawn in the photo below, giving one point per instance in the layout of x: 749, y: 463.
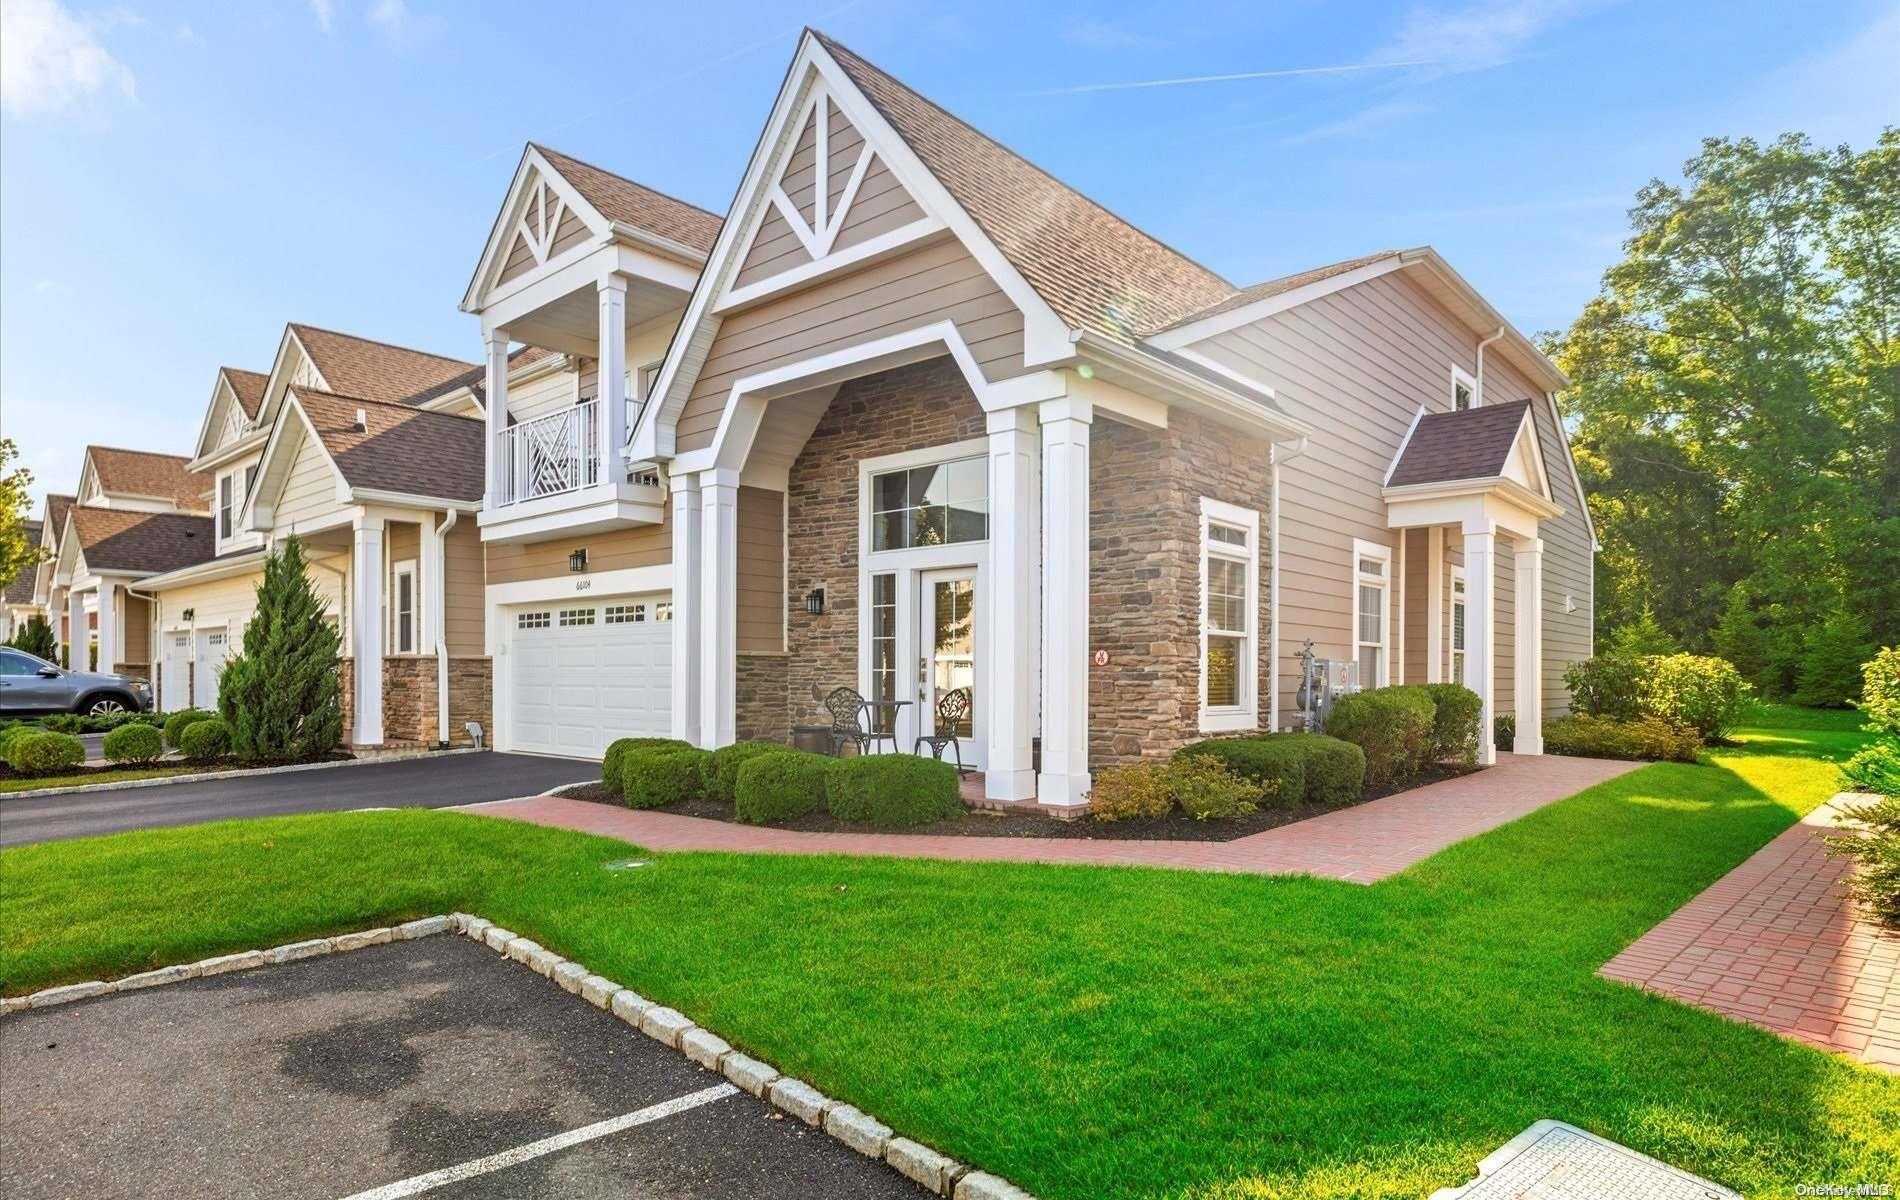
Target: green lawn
x: 1104, y: 1032
x: 92, y: 777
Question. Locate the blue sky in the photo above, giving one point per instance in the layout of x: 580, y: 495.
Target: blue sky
x: 178, y: 180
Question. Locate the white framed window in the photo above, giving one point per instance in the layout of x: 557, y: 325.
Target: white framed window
x: 1458, y: 626
x: 623, y: 614
x: 937, y: 504
x: 1464, y: 391
x: 532, y: 620
x: 663, y: 611
x: 402, y: 607
x: 576, y: 616
x: 227, y: 505
x: 1372, y: 612
x: 1230, y: 617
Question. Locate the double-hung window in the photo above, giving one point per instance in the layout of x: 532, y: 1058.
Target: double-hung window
x: 1458, y: 626
x: 227, y: 505
x: 402, y: 608
x: 1372, y: 612
x: 1230, y: 616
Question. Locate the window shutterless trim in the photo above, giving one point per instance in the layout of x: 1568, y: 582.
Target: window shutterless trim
x: 1245, y: 713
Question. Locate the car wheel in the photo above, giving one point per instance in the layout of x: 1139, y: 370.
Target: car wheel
x: 102, y: 706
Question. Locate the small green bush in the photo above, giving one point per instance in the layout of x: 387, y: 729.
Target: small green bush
x: 1697, y: 690
x: 204, y: 741
x: 1880, y: 691
x: 779, y: 785
x: 1645, y: 739
x: 1875, y: 768
x: 64, y: 723
x: 45, y: 753
x: 653, y: 776
x: 1335, y: 770
x: 1136, y: 791
x: 1457, y: 715
x: 892, y: 791
x: 722, y: 779
x: 1504, y: 731
x: 1605, y: 686
x: 183, y: 719
x: 1393, y: 725
x: 613, y: 763
x: 1277, y: 761
x: 134, y: 743
x: 1209, y: 790
x: 1875, y: 849
x: 11, y: 732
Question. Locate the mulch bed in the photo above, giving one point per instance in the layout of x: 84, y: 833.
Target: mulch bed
x: 977, y: 822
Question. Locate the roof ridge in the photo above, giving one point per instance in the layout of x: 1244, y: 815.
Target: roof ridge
x: 544, y: 148
x: 832, y: 44
x: 356, y: 337
x: 91, y: 446
x: 398, y: 405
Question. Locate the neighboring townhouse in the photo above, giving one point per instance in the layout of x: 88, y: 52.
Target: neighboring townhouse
x: 931, y: 420
x: 136, y: 514
x: 16, y: 598
x: 353, y: 446
x: 52, y: 524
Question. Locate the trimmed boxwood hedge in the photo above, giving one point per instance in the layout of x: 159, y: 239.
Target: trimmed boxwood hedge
x: 43, y: 752
x: 1393, y: 725
x: 134, y: 744
x: 1311, y: 766
x: 654, y: 776
x: 892, y: 791
x: 205, y: 740
x: 722, y: 779
x: 1457, y: 715
x: 612, y: 764
x: 183, y: 719
x: 779, y: 785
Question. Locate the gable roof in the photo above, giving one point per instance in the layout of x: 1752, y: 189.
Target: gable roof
x: 144, y: 473
x: 1097, y: 271
x: 57, y: 506
x: 621, y: 199
x: 19, y: 589
x: 1276, y: 287
x: 400, y: 448
x: 1474, y: 443
x: 476, y: 378
x: 247, y: 386
x: 379, y: 371
x: 116, y: 539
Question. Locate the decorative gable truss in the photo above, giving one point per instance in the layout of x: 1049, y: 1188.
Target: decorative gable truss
x: 544, y: 225
x: 545, y: 229
x: 224, y: 421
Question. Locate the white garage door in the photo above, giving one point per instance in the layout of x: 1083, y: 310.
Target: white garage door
x: 213, y: 649
x: 581, y: 675
x: 174, y: 673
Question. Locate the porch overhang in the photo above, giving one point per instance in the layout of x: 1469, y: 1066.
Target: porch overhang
x: 594, y: 509
x: 1494, y: 502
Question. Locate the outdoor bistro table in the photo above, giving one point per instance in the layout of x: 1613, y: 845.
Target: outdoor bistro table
x: 879, y: 730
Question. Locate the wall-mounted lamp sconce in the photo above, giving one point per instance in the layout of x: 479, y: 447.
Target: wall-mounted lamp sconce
x: 815, y: 602
x: 188, y: 615
x: 577, y: 561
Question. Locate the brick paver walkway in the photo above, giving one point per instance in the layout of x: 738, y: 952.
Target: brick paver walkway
x: 1361, y: 844
x: 1777, y: 942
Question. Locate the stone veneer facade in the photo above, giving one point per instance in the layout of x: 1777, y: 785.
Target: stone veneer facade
x: 763, y: 715
x: 409, y: 698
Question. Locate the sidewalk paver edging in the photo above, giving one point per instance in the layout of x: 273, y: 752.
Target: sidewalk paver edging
x: 240, y: 773
x: 844, y: 1123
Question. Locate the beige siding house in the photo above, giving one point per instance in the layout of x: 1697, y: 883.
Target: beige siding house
x: 915, y: 417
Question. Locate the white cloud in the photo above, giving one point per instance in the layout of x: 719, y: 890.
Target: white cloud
x: 1370, y: 117
x: 1478, y: 36
x: 391, y: 16
x: 51, y: 60
x: 325, y: 11
x: 1280, y: 73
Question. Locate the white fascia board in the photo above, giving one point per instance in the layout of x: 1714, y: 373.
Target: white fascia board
x: 1548, y: 376
x: 648, y: 241
x: 1228, y: 407
x: 1247, y: 314
x: 229, y: 451
x: 228, y: 567
x: 412, y: 500
x: 1570, y: 460
x: 1403, y: 443
x: 494, y: 250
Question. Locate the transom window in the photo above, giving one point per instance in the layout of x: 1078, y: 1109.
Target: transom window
x: 532, y: 620
x: 624, y: 614
x: 1458, y: 626
x: 576, y: 616
x: 937, y: 505
x: 1372, y: 582
x: 1230, y: 574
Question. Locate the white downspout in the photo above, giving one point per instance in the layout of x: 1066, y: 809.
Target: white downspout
x: 1275, y: 455
x: 438, y: 571
x: 1479, y: 398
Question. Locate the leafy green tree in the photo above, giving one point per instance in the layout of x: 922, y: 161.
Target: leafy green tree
x: 1642, y: 638
x: 1830, y: 674
x: 18, y: 552
x: 36, y: 638
x: 1739, y: 637
x: 280, y: 695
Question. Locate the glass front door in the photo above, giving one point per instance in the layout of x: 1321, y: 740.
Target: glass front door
x: 947, y: 644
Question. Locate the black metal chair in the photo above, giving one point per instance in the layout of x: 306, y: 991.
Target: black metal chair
x: 849, y: 721
x: 952, y: 708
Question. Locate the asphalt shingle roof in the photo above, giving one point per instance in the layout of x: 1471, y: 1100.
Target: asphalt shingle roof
x: 143, y: 473
x: 1472, y: 444
x: 621, y: 199
x: 401, y: 448
x: 248, y: 386
x: 378, y: 371
x: 19, y: 589
x: 117, y: 539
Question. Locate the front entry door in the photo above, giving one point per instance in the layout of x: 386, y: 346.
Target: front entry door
x: 946, y: 642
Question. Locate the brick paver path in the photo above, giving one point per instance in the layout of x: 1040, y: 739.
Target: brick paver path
x: 1361, y: 844
x: 1777, y: 942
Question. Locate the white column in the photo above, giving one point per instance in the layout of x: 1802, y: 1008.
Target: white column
x: 1010, y: 593
x: 1435, y: 602
x: 1480, y: 566
x: 612, y: 423
x: 496, y: 385
x: 366, y: 629
x: 1065, y: 602
x: 719, y: 607
x: 1527, y: 655
x: 108, y: 626
x: 76, y: 630
x: 686, y: 607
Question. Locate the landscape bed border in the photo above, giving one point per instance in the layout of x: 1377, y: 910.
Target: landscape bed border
x: 359, y: 760
x: 860, y: 1131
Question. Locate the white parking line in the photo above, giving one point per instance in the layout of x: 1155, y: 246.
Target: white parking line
x: 417, y: 1184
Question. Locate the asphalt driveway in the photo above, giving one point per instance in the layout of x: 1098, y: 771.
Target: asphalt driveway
x: 430, y: 1067
x: 410, y: 783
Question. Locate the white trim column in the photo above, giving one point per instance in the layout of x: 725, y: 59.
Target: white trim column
x: 1065, y: 601
x: 1010, y: 592
x: 1435, y: 602
x: 495, y: 398
x: 1481, y: 630
x: 612, y: 362
x: 76, y: 639
x: 108, y: 625
x: 366, y: 629
x: 719, y: 607
x: 686, y: 607
x: 1527, y: 655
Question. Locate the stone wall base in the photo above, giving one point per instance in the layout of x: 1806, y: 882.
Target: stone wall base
x: 410, y: 698
x: 763, y: 715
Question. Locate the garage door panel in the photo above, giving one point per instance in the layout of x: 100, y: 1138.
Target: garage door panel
x: 583, y: 675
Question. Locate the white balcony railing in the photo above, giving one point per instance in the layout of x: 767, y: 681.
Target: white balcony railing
x: 557, y: 453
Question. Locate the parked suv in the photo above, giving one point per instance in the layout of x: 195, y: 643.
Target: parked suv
x: 29, y: 684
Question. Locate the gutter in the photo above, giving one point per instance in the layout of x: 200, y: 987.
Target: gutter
x: 1277, y: 454
x: 1479, y: 401
x: 439, y: 569
x: 1223, y: 400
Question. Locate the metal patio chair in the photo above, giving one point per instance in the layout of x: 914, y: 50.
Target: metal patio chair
x: 952, y: 708
x: 853, y: 722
